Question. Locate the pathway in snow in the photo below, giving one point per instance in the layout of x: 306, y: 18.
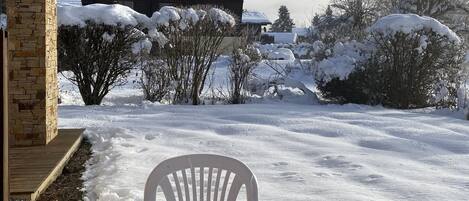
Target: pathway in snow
x: 298, y: 153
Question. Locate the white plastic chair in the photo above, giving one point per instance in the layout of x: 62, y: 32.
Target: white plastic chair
x: 171, y: 175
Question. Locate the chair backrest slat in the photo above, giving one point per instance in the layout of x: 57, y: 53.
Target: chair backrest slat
x: 217, y: 185
x: 186, y: 185
x: 209, y: 183
x: 225, y: 185
x: 167, y: 189
x: 235, y: 187
x: 201, y: 180
x: 231, y: 175
x: 178, y: 186
x: 194, y: 184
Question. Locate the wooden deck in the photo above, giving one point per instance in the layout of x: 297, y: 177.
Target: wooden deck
x: 33, y: 169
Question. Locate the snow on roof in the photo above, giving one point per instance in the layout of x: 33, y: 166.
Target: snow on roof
x: 283, y: 37
x: 300, y: 31
x: 100, y: 13
x: 69, y: 2
x: 255, y: 17
x: 408, y: 23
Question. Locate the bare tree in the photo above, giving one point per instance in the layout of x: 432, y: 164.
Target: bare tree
x: 99, y: 56
x: 344, y: 20
x: 361, y: 13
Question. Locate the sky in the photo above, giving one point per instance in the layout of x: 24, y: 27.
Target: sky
x: 301, y: 10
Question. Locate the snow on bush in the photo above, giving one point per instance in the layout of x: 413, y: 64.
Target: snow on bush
x: 115, y: 15
x: 281, y: 54
x: 411, y: 23
x: 343, y: 61
x: 221, y: 17
x: 291, y: 91
x: 190, y: 16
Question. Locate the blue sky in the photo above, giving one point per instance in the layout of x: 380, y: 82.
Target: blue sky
x: 301, y: 10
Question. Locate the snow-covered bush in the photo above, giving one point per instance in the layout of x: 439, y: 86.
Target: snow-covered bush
x: 408, y: 62
x: 193, y: 42
x: 243, y: 61
x: 97, y: 43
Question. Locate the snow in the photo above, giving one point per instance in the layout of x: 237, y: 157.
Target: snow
x: 281, y: 54
x: 298, y: 152
x: 410, y: 23
x: 186, y: 17
x: 301, y: 50
x: 116, y: 15
x: 344, y: 60
x: 142, y: 46
x: 283, y: 37
x: 166, y: 15
x: 254, y: 17
x: 222, y: 17
x: 108, y: 37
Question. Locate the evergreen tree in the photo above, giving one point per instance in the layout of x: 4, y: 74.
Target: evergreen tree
x: 284, y: 23
x: 316, y: 20
x: 329, y: 11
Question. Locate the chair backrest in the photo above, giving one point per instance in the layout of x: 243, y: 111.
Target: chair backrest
x: 201, y: 177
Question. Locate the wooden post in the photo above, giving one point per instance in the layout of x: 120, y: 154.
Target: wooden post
x: 5, y: 184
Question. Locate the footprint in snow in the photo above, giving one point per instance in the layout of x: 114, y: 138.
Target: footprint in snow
x: 372, y: 178
x: 337, y: 162
x: 127, y: 145
x: 151, y: 137
x: 291, y: 176
x: 322, y: 174
x: 280, y: 164
x: 142, y: 150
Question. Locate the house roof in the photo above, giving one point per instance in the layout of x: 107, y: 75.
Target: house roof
x: 255, y: 17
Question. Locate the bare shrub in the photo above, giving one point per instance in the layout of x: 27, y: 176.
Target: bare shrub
x: 99, y: 56
x: 243, y: 61
x: 155, y: 79
x: 193, y: 44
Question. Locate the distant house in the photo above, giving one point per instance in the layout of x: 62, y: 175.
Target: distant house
x: 148, y: 7
x: 282, y: 37
x: 254, y: 21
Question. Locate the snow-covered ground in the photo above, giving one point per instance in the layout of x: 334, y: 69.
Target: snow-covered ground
x: 298, y: 152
